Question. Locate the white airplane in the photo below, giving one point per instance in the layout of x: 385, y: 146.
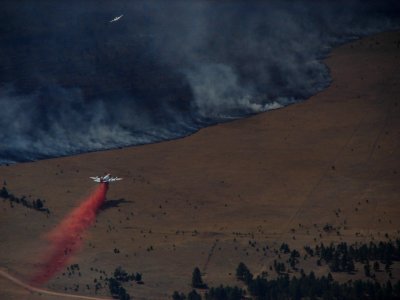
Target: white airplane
x: 107, y: 178
x: 116, y: 18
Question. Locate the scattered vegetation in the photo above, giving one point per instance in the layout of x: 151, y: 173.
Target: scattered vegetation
x: 37, y: 204
x: 305, y: 287
x: 114, y: 283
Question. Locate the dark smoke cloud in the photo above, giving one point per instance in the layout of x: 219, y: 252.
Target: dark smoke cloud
x: 70, y: 81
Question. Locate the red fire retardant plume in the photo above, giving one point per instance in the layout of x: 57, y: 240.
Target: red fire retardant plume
x: 66, y: 238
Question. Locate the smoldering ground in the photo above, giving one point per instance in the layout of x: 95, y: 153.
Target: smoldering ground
x: 70, y: 81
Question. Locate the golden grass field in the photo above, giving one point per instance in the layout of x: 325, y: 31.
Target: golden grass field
x: 275, y: 177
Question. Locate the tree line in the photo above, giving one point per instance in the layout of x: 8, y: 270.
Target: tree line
x: 341, y: 257
x: 306, y: 286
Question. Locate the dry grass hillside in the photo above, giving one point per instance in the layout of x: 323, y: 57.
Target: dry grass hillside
x: 229, y: 193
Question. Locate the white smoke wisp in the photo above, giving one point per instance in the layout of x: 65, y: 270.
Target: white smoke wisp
x: 70, y: 82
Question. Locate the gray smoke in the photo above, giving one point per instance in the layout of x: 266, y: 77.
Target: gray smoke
x: 70, y: 81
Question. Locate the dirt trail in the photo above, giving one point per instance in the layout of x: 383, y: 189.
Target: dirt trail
x: 33, y: 289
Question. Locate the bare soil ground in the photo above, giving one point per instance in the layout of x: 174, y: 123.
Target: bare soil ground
x: 198, y: 201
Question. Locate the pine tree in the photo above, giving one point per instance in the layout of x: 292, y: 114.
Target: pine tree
x: 243, y: 273
x: 178, y: 296
x: 194, y: 296
x: 350, y: 268
x: 376, y: 266
x: 367, y: 269
x: 197, y: 282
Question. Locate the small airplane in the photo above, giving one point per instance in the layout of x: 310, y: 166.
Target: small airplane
x: 116, y: 18
x: 107, y: 178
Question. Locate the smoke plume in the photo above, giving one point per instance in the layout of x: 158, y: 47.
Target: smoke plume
x: 71, y: 81
x: 66, y: 238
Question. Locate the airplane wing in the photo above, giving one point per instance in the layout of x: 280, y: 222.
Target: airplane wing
x: 95, y: 179
x: 115, y: 179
